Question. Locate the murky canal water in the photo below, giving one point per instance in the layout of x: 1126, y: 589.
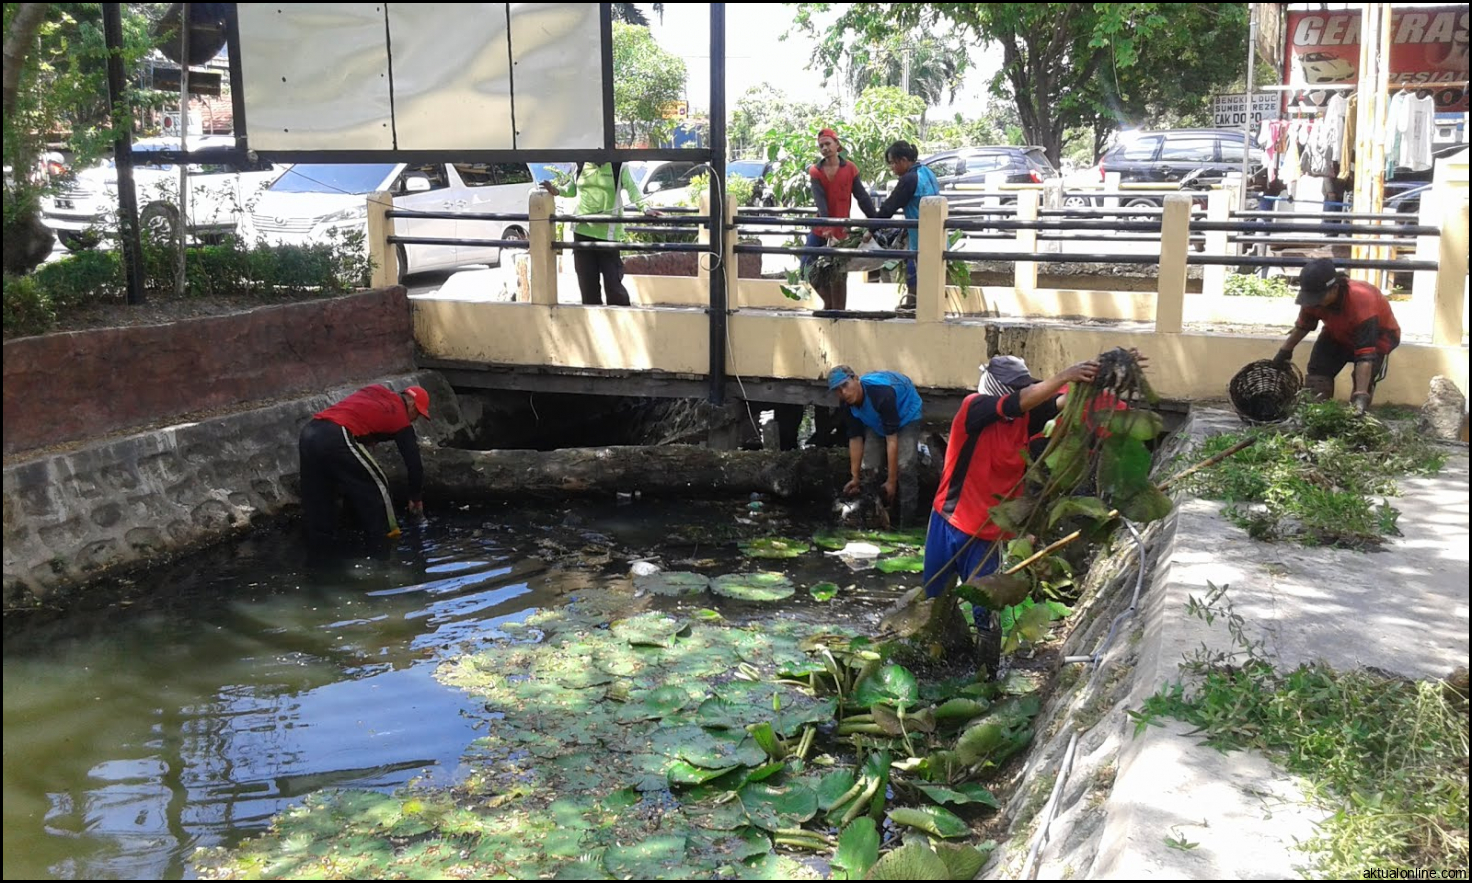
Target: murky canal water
x: 243, y: 682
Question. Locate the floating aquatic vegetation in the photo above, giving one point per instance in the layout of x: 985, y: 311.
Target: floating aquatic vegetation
x: 774, y: 547
x: 764, y: 586
x: 672, y: 583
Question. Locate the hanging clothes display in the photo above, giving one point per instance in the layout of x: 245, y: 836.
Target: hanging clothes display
x: 1393, y: 133
x: 1418, y: 120
x: 1346, y: 140
x: 1331, y: 130
x: 1273, y: 139
x: 1318, y: 151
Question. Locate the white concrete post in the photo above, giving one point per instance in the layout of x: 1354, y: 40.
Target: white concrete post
x: 1449, y: 318
x: 1053, y: 199
x: 1111, y: 184
x: 1025, y: 280
x: 384, y: 257
x: 930, y: 262
x: 994, y: 182
x: 1428, y: 248
x: 1175, y: 246
x: 1219, y: 207
x: 543, y: 281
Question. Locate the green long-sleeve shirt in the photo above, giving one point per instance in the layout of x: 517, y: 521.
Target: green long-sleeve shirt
x: 595, y: 192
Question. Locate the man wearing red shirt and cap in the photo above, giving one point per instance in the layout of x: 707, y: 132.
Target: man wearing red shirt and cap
x: 333, y: 458
x: 1359, y: 327
x: 835, y: 184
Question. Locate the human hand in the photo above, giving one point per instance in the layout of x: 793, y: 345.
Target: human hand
x: 654, y: 213
x: 852, y: 488
x: 1283, y: 359
x: 891, y: 488
x: 416, y: 510
x: 1140, y: 358
x: 551, y: 188
x: 1083, y: 372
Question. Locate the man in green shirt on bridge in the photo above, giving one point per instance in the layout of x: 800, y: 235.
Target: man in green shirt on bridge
x: 593, y: 185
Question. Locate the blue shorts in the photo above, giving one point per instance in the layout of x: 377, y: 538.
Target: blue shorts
x: 942, y: 543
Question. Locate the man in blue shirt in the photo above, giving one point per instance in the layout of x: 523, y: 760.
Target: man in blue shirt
x: 881, y: 405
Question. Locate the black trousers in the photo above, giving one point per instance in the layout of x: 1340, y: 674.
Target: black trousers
x: 332, y: 462
x: 590, y: 266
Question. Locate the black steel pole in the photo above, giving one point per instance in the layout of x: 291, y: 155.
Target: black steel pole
x: 718, y: 293
x: 122, y: 121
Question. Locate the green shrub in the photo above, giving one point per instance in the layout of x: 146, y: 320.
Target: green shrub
x: 1253, y: 286
x: 82, y: 280
x: 28, y: 309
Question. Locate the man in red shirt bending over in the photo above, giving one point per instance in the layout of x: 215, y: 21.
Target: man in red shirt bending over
x: 984, y: 465
x: 1358, y: 327
x: 333, y: 458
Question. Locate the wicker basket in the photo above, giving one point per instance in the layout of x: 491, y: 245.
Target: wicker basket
x: 1265, y: 391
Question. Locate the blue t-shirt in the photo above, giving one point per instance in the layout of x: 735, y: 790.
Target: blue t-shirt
x: 890, y: 404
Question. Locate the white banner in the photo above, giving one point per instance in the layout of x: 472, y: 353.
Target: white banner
x: 1231, y: 110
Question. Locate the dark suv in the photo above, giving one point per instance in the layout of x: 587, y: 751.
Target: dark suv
x: 1166, y: 157
x: 973, y: 165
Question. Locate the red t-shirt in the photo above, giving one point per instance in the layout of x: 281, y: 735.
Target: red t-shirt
x: 840, y: 192
x: 1361, y: 321
x: 371, y: 411
x: 984, y: 462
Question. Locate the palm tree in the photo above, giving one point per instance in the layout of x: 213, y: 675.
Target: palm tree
x: 925, y: 67
x: 632, y: 14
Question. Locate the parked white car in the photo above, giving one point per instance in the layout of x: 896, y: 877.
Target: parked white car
x: 312, y: 203
x: 86, y: 209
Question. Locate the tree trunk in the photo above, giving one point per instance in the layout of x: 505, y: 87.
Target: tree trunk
x: 18, y: 45
x: 669, y: 470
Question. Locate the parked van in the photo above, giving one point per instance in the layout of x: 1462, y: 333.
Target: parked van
x: 86, y: 208
x: 312, y: 202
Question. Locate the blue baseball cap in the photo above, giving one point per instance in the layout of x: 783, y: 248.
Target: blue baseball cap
x: 839, y: 376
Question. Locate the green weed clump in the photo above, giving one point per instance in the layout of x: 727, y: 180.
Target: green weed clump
x: 1321, y: 479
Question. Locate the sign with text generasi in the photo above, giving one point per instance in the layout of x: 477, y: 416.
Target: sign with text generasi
x: 1427, y: 45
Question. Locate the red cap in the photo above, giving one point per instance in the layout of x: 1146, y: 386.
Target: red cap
x: 829, y: 133
x: 421, y: 400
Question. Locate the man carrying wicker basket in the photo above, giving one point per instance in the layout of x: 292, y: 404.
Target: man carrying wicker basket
x: 1359, y: 327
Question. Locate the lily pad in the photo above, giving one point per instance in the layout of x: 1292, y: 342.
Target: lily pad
x: 823, y: 592
x: 765, y: 586
x: 1124, y: 467
x: 647, y: 860
x: 732, y: 845
x: 960, y: 709
x: 650, y: 629
x: 1149, y: 504
x: 858, y: 850
x: 682, y: 773
x: 774, y: 807
x: 774, y: 547
x: 913, y: 861
x: 968, y: 792
x: 901, y: 564
x: 997, y: 590
x: 933, y: 820
x: 672, y: 583
x: 831, y: 542
x: 891, y: 685
x: 833, y: 786
x: 654, y: 704
x: 962, y: 861
x: 1068, y: 507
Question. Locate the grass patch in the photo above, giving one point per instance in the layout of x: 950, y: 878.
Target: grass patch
x: 1317, y: 478
x: 1387, y: 755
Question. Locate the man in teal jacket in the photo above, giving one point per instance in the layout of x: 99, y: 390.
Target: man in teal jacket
x: 593, y: 186
x: 881, y: 405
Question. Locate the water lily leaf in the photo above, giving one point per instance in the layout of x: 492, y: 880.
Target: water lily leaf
x: 682, y: 773
x: 754, y: 586
x: 1124, y: 467
x: 997, y: 590
x: 1019, y: 549
x: 650, y: 859
x: 1149, y: 504
x: 1012, y: 515
x: 765, y: 772
x: 901, y: 564
x: 778, y: 806
x: 728, y: 816
x: 733, y: 845
x: 1032, y: 625
x: 705, y: 614
x: 1139, y: 425
x: 833, y: 786
x: 582, y: 870
x: 1068, y: 463
x: 962, y: 861
x: 858, y: 850
x: 766, y: 737
x: 718, y: 713
x: 774, y: 547
x: 823, y: 592
x: 659, y: 703
x: 743, y: 748
x: 890, y: 684
x: 672, y: 583
x: 980, y: 741
x: 968, y: 792
x: 1087, y: 507
x: 650, y: 629
x: 775, y: 867
x: 960, y: 709
x: 933, y: 820
x: 913, y: 861
x: 887, y: 720
x: 1021, y: 683
x: 830, y: 541
x: 795, y: 716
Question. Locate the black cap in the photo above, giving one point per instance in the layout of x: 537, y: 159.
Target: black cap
x: 1315, y: 280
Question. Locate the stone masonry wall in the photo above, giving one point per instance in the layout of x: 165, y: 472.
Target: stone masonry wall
x: 85, y: 384
x: 73, y: 517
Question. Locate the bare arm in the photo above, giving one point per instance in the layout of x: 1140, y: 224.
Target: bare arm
x: 855, y: 462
